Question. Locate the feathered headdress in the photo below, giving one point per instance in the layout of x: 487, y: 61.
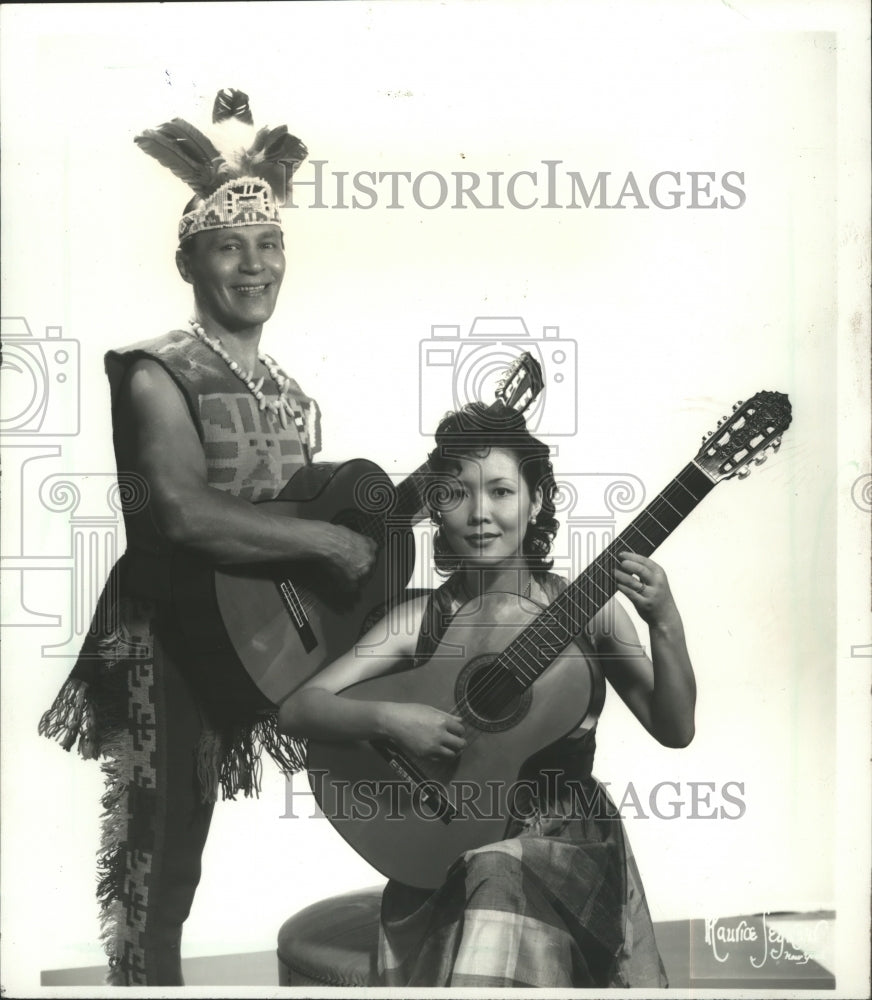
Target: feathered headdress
x: 243, y: 185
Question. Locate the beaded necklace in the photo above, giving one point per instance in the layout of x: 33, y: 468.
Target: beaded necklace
x: 279, y: 407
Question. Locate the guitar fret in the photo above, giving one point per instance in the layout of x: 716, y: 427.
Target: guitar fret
x: 552, y: 630
x: 671, y: 506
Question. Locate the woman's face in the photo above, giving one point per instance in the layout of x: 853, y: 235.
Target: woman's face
x: 489, y: 508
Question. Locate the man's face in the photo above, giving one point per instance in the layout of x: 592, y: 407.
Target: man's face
x: 236, y: 274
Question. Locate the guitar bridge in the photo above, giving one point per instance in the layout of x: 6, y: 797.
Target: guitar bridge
x: 429, y: 790
x: 294, y: 607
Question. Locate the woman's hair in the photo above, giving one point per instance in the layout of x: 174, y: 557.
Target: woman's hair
x: 471, y: 432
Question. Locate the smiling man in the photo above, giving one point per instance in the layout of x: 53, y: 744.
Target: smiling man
x: 204, y: 425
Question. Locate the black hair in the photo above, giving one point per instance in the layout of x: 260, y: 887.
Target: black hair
x: 471, y: 432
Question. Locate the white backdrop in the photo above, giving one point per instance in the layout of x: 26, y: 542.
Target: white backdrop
x: 671, y: 315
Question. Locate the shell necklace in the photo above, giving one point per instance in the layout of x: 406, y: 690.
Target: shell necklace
x: 279, y: 407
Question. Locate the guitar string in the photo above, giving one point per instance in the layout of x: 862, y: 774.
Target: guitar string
x: 550, y: 630
x: 600, y: 572
x: 605, y: 565
x: 495, y: 671
x: 600, y: 569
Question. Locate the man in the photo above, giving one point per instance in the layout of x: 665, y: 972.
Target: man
x: 204, y: 424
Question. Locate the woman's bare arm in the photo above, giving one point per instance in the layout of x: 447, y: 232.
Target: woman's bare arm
x: 318, y: 710
x: 661, y: 690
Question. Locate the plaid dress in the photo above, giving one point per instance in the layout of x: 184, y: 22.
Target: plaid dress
x: 559, y: 903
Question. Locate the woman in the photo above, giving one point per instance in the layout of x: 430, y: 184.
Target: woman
x: 559, y: 902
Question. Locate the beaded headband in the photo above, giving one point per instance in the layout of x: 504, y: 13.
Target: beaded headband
x: 243, y: 186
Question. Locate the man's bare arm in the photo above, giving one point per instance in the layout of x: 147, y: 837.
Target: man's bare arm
x: 168, y: 454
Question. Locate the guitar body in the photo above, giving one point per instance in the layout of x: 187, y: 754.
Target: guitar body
x: 260, y: 631
x: 370, y: 803
x: 412, y: 818
x: 255, y: 633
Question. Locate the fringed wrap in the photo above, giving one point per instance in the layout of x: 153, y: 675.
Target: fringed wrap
x: 91, y: 706
x: 231, y: 758
x: 71, y: 718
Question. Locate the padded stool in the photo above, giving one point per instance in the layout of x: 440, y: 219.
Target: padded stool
x: 333, y: 942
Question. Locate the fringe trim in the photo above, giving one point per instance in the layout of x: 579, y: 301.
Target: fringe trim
x: 231, y: 757
x: 112, y: 861
x: 72, y: 717
x: 88, y: 711
x: 91, y: 714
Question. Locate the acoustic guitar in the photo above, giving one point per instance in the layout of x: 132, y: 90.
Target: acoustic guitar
x: 257, y: 632
x: 509, y: 669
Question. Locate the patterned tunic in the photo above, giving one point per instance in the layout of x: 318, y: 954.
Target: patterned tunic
x: 558, y: 903
x: 131, y: 698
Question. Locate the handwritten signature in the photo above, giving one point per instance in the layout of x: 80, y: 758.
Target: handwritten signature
x: 764, y: 941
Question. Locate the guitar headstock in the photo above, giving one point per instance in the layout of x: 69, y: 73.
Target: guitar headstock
x: 521, y: 383
x: 745, y: 437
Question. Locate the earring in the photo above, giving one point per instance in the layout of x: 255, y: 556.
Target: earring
x: 436, y: 517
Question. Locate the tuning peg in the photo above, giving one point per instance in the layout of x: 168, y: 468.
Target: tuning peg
x: 776, y: 444
x: 761, y: 458
x: 744, y: 473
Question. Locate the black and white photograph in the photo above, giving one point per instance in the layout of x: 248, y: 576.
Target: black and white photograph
x: 367, y: 623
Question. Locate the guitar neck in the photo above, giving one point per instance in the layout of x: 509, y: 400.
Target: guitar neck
x: 539, y: 644
x: 410, y: 507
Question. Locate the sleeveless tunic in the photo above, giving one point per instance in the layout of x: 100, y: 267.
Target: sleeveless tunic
x: 558, y: 903
x: 132, y: 700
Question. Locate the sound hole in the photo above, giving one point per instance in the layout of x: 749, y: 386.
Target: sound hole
x: 489, y: 697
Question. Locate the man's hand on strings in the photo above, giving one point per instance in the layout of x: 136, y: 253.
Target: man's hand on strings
x: 351, y: 555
